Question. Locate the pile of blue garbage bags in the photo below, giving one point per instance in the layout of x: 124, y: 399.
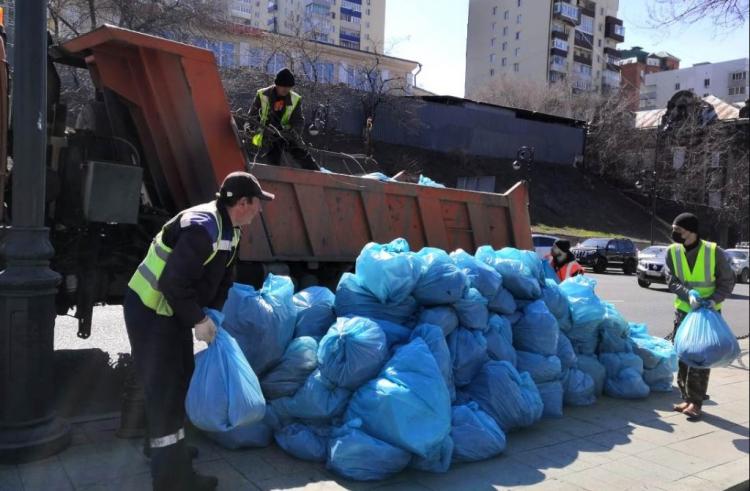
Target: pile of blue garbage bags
x: 419, y: 359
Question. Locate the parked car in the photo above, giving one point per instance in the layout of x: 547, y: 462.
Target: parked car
x: 543, y: 244
x: 652, y: 266
x: 601, y: 254
x: 738, y: 259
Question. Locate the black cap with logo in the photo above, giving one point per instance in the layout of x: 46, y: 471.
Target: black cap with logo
x: 243, y: 185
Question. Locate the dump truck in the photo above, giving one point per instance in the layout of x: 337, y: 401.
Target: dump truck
x: 159, y: 136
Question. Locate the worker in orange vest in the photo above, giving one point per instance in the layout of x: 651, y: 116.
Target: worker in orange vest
x: 563, y: 261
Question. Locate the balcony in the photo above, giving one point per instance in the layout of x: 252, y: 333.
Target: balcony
x: 558, y: 64
x: 583, y: 59
x: 614, y: 29
x: 584, y: 40
x: 582, y: 85
x: 559, y: 47
x: 567, y: 13
x: 322, y: 3
x: 588, y: 8
x: 611, y: 78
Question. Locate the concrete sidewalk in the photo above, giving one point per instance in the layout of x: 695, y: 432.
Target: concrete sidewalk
x: 614, y: 444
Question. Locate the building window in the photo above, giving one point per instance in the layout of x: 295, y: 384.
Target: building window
x: 587, y: 24
x: 739, y: 75
x: 707, y: 82
x: 494, y: 10
x: 506, y: 15
x: 519, y: 19
x: 600, y: 43
x: 706, y: 94
x: 518, y: 34
x: 492, y: 42
x: 519, y: 3
x: 504, y: 61
x: 677, y: 86
x: 492, y: 72
x: 518, y: 52
x: 505, y: 45
x: 492, y: 58
x: 601, y: 27
x: 516, y: 66
x: 601, y: 11
x: 505, y: 31
x: 494, y: 26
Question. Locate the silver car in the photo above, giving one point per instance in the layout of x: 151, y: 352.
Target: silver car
x: 738, y: 259
x: 652, y: 266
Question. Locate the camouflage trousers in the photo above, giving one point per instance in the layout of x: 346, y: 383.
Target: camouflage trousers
x: 693, y: 382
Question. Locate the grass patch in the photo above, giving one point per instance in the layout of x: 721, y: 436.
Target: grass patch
x: 568, y: 231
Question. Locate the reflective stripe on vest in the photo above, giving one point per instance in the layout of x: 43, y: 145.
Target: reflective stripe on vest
x: 145, y: 280
x: 265, y: 112
x: 701, y: 278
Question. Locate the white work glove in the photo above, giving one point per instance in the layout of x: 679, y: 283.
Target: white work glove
x: 205, y: 330
x: 696, y: 301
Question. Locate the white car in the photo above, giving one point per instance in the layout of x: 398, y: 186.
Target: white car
x: 652, y: 266
x: 738, y: 259
x: 543, y: 244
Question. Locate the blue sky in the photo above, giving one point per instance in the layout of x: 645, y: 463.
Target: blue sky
x: 433, y: 32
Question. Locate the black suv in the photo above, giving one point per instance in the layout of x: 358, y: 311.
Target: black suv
x: 601, y: 254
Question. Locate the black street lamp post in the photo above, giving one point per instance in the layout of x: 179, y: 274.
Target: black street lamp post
x: 29, y: 429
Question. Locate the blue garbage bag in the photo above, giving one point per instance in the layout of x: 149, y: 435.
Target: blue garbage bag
x: 255, y: 435
x: 304, y: 442
x: 659, y: 358
x: 565, y: 352
x: 661, y: 377
x: 624, y: 376
x: 354, y: 454
x: 537, y: 331
x: 318, y: 400
x: 614, y: 332
x: 224, y: 392
x: 395, y: 334
x: 389, y: 271
x: 556, y: 301
x: 443, y: 316
x: 587, y: 312
x: 704, y: 340
x: 352, y: 299
x: 299, y: 361
x: 512, y: 399
x: 352, y: 352
x: 499, y: 337
x: 593, y: 368
x: 378, y: 176
x: 552, y: 398
x: 503, y: 302
x: 426, y: 181
x: 481, y: 275
x: 517, y: 278
x: 441, y: 282
x: 541, y: 368
x: 476, y: 436
x: 262, y: 321
x: 529, y: 259
x: 404, y: 406
x: 472, y: 310
x: 435, y: 341
x: 438, y: 461
x: 579, y: 387
x: 515, y: 317
x: 315, y: 312
x: 468, y: 348
x: 548, y: 272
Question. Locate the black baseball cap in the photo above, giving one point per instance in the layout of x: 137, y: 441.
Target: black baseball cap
x: 243, y: 185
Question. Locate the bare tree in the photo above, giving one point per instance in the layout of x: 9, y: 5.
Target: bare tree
x: 727, y: 14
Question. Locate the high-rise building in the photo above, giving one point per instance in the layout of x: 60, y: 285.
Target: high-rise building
x: 544, y: 41
x: 727, y: 80
x: 635, y: 64
x: 356, y: 24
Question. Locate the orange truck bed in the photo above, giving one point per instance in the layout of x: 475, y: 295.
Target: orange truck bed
x: 182, y: 116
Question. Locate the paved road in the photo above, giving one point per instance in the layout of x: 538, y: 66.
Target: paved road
x: 652, y: 306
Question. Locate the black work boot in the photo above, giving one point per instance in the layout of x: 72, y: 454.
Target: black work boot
x: 199, y: 482
x: 171, y: 470
x: 193, y: 452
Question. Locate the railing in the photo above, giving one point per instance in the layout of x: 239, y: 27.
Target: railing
x: 567, y: 12
x: 558, y: 64
x: 560, y: 44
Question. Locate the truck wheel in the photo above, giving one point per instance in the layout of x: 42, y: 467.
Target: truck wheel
x: 643, y: 283
x: 629, y: 267
x: 745, y: 276
x: 600, y: 265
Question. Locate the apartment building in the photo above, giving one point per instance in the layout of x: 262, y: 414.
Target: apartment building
x: 355, y: 24
x: 727, y: 80
x: 635, y: 64
x: 544, y: 41
x: 9, y: 21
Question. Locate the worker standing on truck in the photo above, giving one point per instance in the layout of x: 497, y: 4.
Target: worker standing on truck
x: 695, y: 264
x: 278, y: 112
x: 563, y: 261
x: 188, y: 267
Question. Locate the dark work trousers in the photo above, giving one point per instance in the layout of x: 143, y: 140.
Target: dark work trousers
x: 162, y: 352
x: 693, y: 382
x: 296, y: 150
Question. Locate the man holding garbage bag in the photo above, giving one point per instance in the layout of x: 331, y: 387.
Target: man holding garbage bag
x: 697, y: 266
x: 188, y: 267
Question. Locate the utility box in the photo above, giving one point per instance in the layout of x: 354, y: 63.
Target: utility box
x: 112, y: 192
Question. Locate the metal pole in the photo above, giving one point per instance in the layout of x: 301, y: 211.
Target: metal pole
x: 29, y: 429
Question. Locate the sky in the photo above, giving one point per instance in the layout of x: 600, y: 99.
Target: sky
x: 433, y: 32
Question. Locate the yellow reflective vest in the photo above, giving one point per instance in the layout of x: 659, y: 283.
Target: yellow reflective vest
x: 265, y: 112
x: 701, y: 278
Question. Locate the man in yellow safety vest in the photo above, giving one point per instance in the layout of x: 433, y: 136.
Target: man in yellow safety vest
x: 277, y: 110
x: 188, y: 267
x: 698, y: 266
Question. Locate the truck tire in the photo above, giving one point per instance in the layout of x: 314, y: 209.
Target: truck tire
x: 745, y: 276
x: 600, y: 265
x: 643, y: 283
x: 629, y: 267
